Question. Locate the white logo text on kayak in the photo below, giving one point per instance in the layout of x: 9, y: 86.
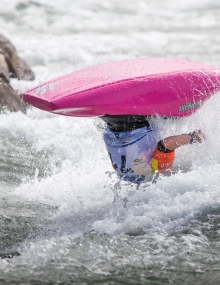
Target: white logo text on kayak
x: 42, y: 90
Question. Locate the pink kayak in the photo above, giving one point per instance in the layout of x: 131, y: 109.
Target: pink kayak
x: 145, y: 86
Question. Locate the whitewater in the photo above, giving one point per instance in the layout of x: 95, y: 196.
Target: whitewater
x: 64, y: 216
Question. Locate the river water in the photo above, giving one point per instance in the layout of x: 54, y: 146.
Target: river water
x: 64, y: 217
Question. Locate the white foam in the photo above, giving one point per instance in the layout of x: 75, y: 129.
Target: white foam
x: 62, y: 36
x: 82, y: 183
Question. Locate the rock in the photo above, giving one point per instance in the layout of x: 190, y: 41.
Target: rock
x: 9, y: 99
x: 11, y: 66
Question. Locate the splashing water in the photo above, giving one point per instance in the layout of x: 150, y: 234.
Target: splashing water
x: 65, y: 218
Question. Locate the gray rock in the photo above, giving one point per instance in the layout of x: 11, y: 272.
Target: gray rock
x: 11, y: 66
x: 10, y: 99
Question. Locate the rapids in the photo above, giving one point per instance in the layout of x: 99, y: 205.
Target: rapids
x: 64, y: 217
